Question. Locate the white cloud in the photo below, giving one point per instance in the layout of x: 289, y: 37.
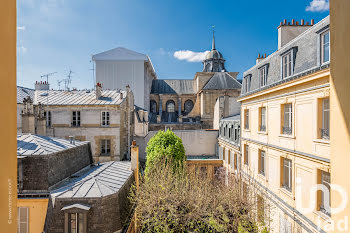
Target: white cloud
x: 318, y: 6
x: 21, y: 49
x: 22, y: 28
x: 190, y: 56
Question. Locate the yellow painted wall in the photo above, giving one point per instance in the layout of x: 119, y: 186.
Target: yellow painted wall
x: 304, y: 138
x: 8, y: 143
x: 340, y: 104
x: 37, y: 212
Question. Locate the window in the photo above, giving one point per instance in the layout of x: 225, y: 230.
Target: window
x: 105, y: 119
x: 287, y: 119
x: 325, y: 49
x: 325, y: 197
x: 235, y: 161
x: 105, y: 147
x: 223, y: 154
x: 229, y: 132
x: 246, y: 119
x: 236, y: 134
x: 263, y: 76
x: 287, y: 174
x: 76, y: 223
x: 170, y: 106
x: 287, y: 65
x: 262, y: 122
x: 76, y: 118
x: 246, y: 154
x: 325, y: 119
x: 247, y: 83
x: 22, y: 219
x: 188, y: 106
x: 262, y: 162
x: 47, y: 115
x: 153, y: 106
x: 229, y: 157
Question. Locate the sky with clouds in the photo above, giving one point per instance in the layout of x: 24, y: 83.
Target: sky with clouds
x: 59, y: 35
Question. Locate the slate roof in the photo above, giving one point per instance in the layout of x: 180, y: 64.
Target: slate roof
x: 306, y: 61
x: 232, y: 118
x: 23, y: 92
x: 172, y: 86
x: 98, y: 181
x: 109, y: 97
x: 31, y: 145
x: 222, y: 80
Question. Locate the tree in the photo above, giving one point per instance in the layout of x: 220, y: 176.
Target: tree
x: 165, y: 144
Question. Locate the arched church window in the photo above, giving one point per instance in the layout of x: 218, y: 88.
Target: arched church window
x: 170, y: 106
x: 153, y: 106
x: 188, y: 106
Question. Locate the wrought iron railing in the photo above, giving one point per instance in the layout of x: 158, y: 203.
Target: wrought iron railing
x: 287, y: 130
x: 263, y: 128
x: 325, y: 134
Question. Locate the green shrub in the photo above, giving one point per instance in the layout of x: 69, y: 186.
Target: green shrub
x: 164, y: 145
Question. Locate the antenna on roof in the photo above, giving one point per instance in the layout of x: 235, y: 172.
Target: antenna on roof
x: 59, y: 84
x: 68, y: 80
x: 47, y: 80
x: 93, y: 73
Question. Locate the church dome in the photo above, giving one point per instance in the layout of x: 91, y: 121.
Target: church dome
x: 214, y: 54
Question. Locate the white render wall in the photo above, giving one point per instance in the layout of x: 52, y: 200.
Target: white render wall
x: 118, y: 74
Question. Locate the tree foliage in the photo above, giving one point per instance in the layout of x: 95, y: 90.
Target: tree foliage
x: 182, y: 200
x: 164, y: 144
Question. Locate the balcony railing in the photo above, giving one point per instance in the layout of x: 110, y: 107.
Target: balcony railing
x: 325, y: 134
x: 263, y: 128
x: 287, y: 130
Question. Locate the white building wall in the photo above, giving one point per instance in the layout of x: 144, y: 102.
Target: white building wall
x: 118, y: 74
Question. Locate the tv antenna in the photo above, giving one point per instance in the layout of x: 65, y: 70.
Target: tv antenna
x: 93, y: 73
x: 59, y: 84
x: 47, y: 76
x: 68, y: 80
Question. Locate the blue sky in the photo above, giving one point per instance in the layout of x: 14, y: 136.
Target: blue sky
x: 58, y: 35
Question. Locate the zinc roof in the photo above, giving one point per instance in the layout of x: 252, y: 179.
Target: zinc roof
x: 98, y: 181
x: 23, y: 92
x: 172, y: 86
x: 52, y: 97
x: 29, y: 145
x: 222, y: 80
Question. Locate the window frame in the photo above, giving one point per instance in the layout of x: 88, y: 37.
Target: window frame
x: 287, y: 182
x: 263, y: 72
x: 322, y: 208
x: 77, y: 121
x: 104, y: 144
x: 322, y: 47
x: 324, y: 132
x: 105, y: 120
x: 262, y: 119
x: 19, y: 222
x: 246, y: 119
x: 247, y: 82
x: 186, y: 104
x: 246, y: 154
x: 172, y: 102
x: 287, y: 129
x: 48, y: 117
x: 262, y: 162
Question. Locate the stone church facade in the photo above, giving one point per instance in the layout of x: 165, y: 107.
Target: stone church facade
x: 189, y: 104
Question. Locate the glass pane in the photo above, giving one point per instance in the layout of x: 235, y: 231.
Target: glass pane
x: 81, y: 224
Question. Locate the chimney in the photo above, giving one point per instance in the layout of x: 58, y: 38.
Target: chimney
x: 287, y: 31
x: 98, y: 91
x: 260, y: 58
x: 42, y: 86
x: 40, y: 120
x: 28, y: 118
x: 72, y: 140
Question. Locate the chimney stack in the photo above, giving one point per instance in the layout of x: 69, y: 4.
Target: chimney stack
x: 42, y: 85
x: 287, y: 31
x: 40, y: 120
x: 260, y: 57
x: 28, y: 118
x: 98, y: 91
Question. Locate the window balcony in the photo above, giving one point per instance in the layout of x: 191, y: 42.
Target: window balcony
x: 325, y: 134
x: 287, y: 130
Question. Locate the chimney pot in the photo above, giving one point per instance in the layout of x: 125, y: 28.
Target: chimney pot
x: 264, y: 55
x: 293, y: 21
x: 259, y: 55
x: 297, y: 23
x: 302, y: 22
x: 284, y: 22
x: 312, y: 22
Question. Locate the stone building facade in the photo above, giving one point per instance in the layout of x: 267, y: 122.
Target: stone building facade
x: 102, y: 117
x: 189, y: 104
x: 285, y: 135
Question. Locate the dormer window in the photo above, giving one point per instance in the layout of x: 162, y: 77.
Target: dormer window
x: 247, y: 82
x: 263, y: 76
x: 287, y: 65
x: 325, y: 49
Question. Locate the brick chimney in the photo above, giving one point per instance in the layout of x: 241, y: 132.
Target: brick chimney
x: 28, y: 117
x: 260, y: 58
x: 287, y: 31
x: 98, y: 91
x: 42, y: 85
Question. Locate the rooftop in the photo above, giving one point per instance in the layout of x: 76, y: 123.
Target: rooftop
x: 97, y: 181
x: 222, y: 80
x: 172, y: 86
x: 23, y: 92
x: 29, y: 145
